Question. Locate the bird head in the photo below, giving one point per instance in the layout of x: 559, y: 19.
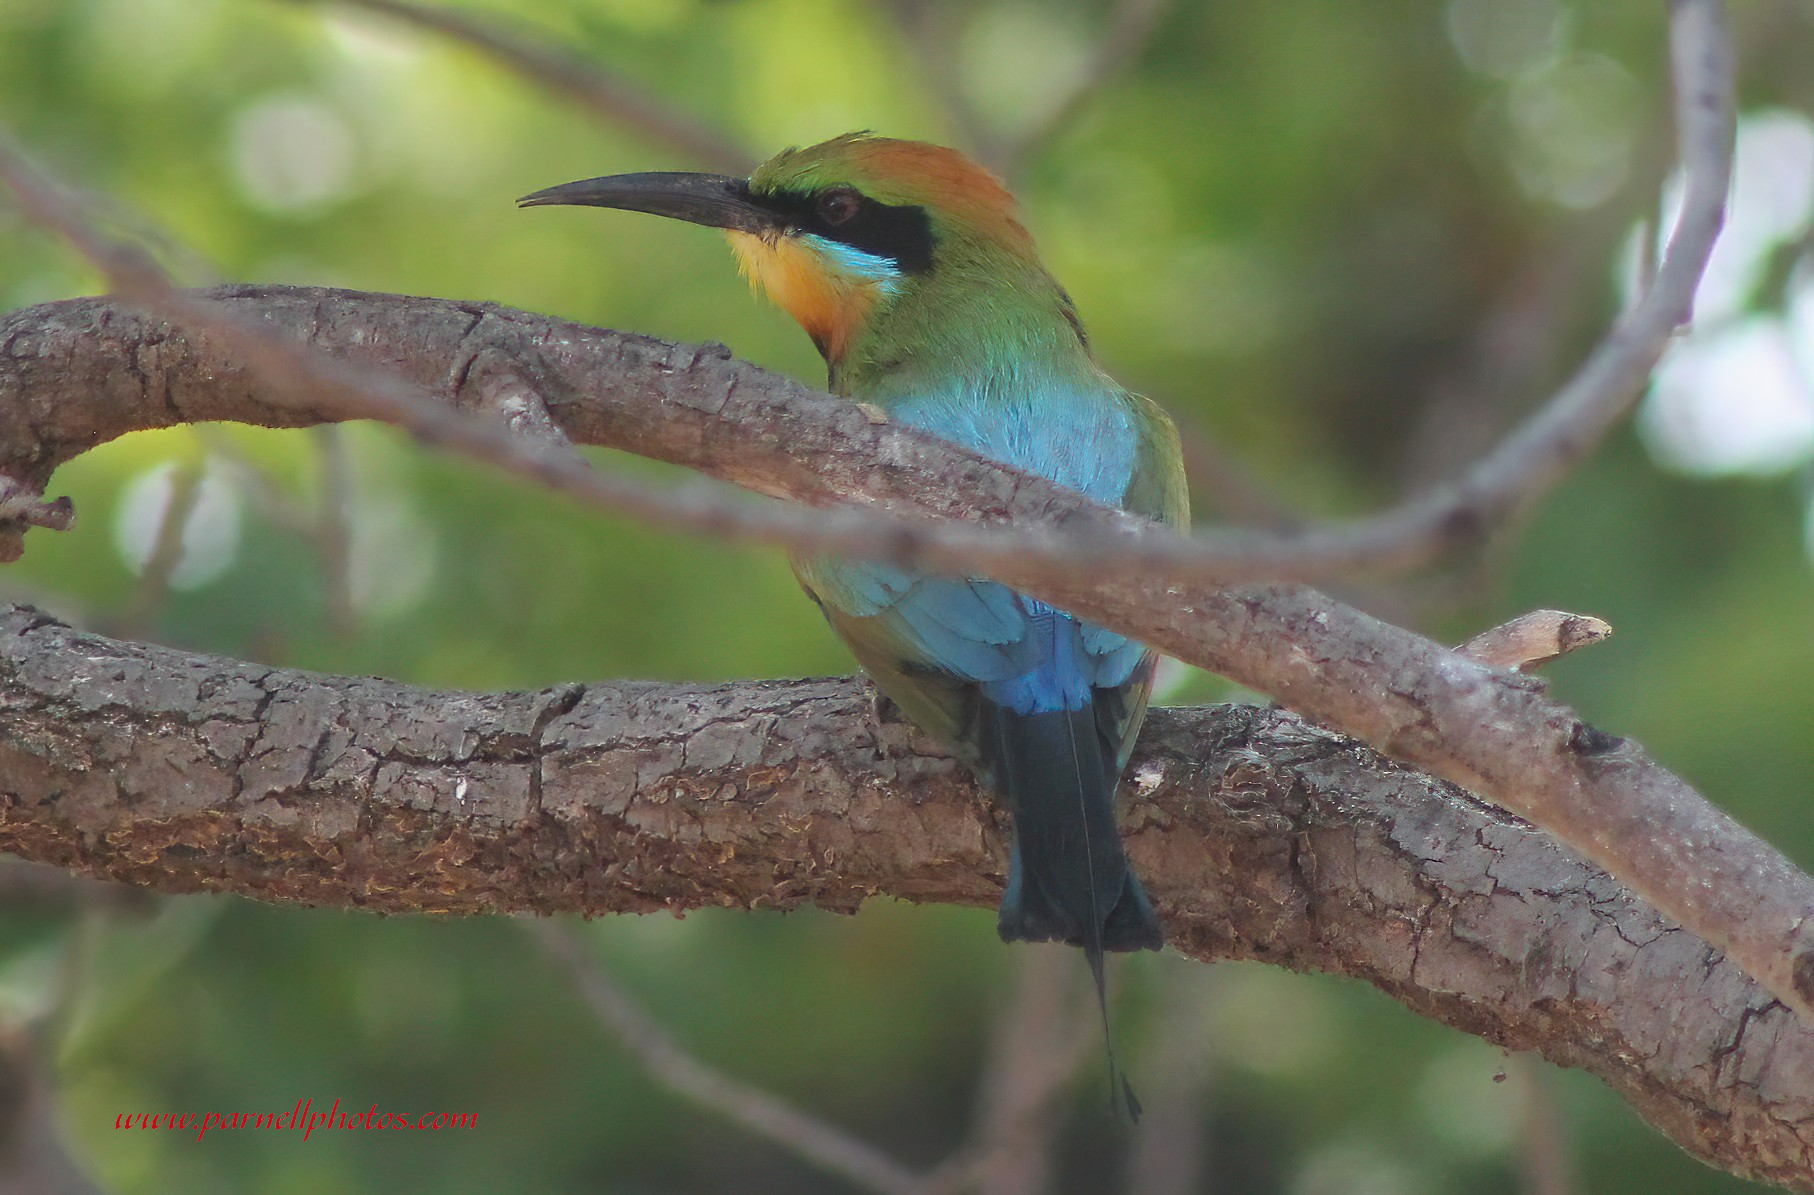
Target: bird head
x: 852, y: 234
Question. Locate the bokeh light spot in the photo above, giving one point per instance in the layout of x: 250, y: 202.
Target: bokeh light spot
x: 293, y: 155
x: 211, y: 533
x: 1504, y: 38
x: 1731, y: 402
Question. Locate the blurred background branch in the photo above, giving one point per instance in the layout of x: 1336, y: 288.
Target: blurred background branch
x: 750, y: 1107
x: 607, y: 95
x: 1520, y: 469
x: 34, y: 1159
x: 1041, y: 1034
x: 1132, y: 25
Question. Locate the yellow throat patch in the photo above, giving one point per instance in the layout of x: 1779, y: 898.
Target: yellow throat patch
x: 829, y: 304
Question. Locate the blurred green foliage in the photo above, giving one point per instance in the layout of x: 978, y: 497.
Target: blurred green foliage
x: 1301, y: 224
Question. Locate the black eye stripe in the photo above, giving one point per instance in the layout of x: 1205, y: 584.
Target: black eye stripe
x: 900, y: 232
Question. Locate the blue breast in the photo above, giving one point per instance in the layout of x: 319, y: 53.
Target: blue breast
x: 1079, y: 435
x: 1027, y: 656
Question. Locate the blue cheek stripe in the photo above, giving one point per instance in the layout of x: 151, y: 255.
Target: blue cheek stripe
x: 854, y: 263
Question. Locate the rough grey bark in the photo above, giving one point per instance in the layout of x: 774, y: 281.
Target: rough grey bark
x: 74, y: 373
x: 1260, y: 837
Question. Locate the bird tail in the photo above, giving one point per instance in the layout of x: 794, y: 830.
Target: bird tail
x: 1068, y: 876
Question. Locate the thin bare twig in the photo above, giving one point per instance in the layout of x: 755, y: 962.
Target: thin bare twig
x: 612, y: 98
x: 1524, y: 466
x: 1540, y: 452
x: 292, y: 375
x: 764, y: 1114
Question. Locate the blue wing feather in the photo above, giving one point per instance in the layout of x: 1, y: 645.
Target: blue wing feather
x: 1031, y: 656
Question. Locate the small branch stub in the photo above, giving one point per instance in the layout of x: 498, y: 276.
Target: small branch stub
x: 1533, y: 640
x: 24, y: 502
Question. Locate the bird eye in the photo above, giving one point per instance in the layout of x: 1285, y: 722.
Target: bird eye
x: 839, y: 206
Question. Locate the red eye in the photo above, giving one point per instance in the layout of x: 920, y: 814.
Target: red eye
x: 838, y: 207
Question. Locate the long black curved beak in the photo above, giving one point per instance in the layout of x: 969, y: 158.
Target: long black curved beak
x: 715, y: 200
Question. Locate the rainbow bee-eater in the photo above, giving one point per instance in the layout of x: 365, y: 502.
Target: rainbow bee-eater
x: 909, y: 267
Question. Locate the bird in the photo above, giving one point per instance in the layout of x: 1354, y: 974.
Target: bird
x: 908, y: 265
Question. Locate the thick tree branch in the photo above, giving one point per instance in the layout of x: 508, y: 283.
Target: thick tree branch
x: 1260, y: 836
x: 72, y: 375
x: 76, y: 373
x: 1455, y: 717
x: 1523, y: 468
x: 1526, y: 465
